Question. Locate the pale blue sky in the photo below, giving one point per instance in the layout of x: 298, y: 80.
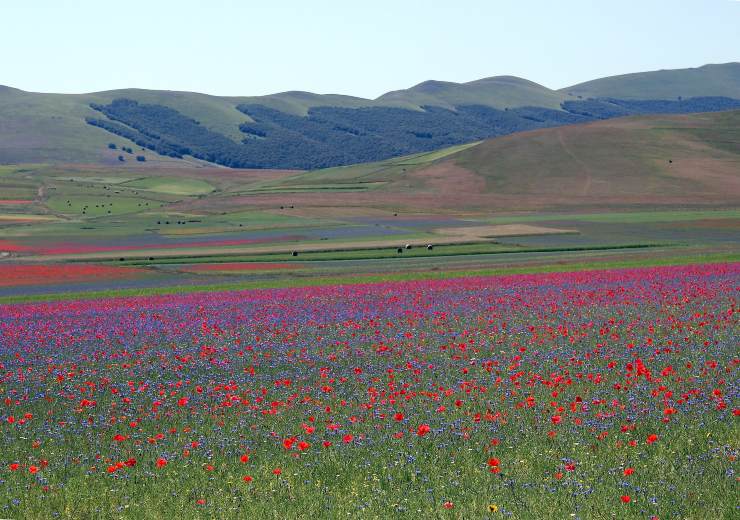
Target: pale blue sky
x: 362, y: 48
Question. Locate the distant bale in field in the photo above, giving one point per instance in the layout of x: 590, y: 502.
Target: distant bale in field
x: 430, y: 247
x: 399, y: 250
x: 408, y: 246
x: 294, y: 253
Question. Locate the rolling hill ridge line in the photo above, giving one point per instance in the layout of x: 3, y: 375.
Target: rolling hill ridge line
x: 305, y: 131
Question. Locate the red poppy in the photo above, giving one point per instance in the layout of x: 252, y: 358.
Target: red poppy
x: 493, y: 461
x: 244, y: 458
x: 14, y: 466
x: 628, y: 471
x: 347, y: 438
x: 651, y: 438
x: 201, y: 501
x: 161, y: 462
x: 570, y: 467
x: 33, y: 469
x: 398, y: 416
x: 626, y: 499
x: 277, y: 471
x: 422, y: 430
x: 303, y: 446
x: 448, y: 505
x: 249, y: 479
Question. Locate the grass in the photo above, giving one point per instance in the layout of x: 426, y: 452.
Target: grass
x: 498, y: 92
x: 100, y: 205
x: 171, y: 185
x: 709, y: 80
x: 358, y: 177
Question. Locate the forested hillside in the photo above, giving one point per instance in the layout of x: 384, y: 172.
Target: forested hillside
x: 335, y: 136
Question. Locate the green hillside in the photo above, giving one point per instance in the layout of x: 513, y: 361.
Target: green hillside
x: 37, y: 128
x: 52, y: 128
x: 215, y: 113
x: 709, y: 80
x: 497, y: 92
x: 298, y: 103
x: 642, y: 161
x: 688, y: 159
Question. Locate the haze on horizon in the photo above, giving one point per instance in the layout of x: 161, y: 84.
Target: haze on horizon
x: 228, y: 47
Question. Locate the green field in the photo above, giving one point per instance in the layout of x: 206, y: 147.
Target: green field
x: 171, y: 185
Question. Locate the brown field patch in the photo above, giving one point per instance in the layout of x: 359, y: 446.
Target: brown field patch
x: 502, y: 230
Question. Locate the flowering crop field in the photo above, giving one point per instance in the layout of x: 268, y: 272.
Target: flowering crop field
x: 34, y: 274
x: 602, y: 394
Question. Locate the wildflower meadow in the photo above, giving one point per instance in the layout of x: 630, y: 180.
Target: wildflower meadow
x: 599, y: 394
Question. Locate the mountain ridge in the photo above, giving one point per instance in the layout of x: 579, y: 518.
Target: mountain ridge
x: 41, y: 127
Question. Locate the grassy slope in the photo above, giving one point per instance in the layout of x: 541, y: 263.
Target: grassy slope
x: 372, y: 175
x: 38, y: 128
x: 498, y: 92
x: 625, y: 159
x: 297, y: 102
x: 709, y: 80
x: 48, y: 127
x: 216, y: 113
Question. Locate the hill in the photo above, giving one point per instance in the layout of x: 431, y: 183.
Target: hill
x: 301, y: 130
x: 497, y: 92
x: 709, y: 80
x: 645, y: 161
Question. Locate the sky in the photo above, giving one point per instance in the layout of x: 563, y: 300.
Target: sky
x: 360, y: 48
